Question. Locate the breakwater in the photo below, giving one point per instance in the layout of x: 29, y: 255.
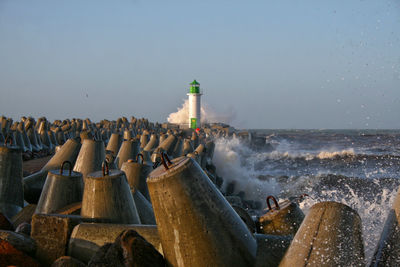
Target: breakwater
x: 140, y: 193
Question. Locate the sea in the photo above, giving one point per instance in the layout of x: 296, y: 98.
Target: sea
x: 359, y: 168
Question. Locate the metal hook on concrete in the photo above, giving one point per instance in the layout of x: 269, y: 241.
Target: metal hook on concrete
x: 156, y: 164
x: 62, y: 167
x: 275, y: 202
x: 139, y: 155
x: 104, y: 168
x: 167, y: 162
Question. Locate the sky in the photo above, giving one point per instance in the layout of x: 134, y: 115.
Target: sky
x: 306, y: 64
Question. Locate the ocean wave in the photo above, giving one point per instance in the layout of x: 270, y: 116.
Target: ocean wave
x: 346, y: 175
x: 345, y: 154
x: 336, y: 154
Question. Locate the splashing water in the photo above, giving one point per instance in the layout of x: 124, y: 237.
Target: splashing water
x: 252, y: 173
x: 233, y: 164
x: 329, y: 155
x: 208, y: 115
x: 373, y: 213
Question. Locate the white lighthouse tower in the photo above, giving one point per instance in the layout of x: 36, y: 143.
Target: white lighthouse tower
x: 194, y: 105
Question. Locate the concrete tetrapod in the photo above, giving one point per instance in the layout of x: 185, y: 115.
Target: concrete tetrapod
x: 330, y: 235
x: 53, y: 138
x: 90, y: 157
x: 20, y: 141
x: 127, y: 135
x: 271, y: 249
x: 177, y: 151
x: 33, y: 140
x: 114, y: 144
x: 187, y: 147
x: 136, y: 173
x: 129, y: 149
x: 168, y: 144
x: 162, y: 138
x: 200, y: 152
x: 197, y: 226
x: 195, y: 139
x: 144, y: 138
x: 144, y: 208
x: 284, y: 219
x: 61, y: 137
x: 61, y: 189
x: 106, y: 196
x: 152, y: 144
x: 387, y: 252
x: 33, y: 184
x: 27, y: 142
x: 44, y: 136
x: 87, y: 238
x: 146, y: 157
x: 11, y: 190
x: 68, y: 152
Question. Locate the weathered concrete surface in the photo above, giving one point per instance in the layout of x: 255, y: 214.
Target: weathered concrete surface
x: 71, y: 209
x: 90, y: 157
x: 330, y: 235
x: 19, y: 241
x: 152, y: 144
x: 283, y: 221
x: 68, y: 152
x: 51, y: 233
x: 60, y: 190
x: 115, y: 143
x: 144, y: 208
x: 11, y: 256
x: 25, y: 215
x: 387, y: 252
x: 168, y: 144
x: 136, y: 174
x: 187, y: 147
x: 34, y: 183
x: 129, y: 150
x: 87, y: 238
x: 109, y: 197
x: 197, y: 226
x: 271, y: 249
x: 11, y: 189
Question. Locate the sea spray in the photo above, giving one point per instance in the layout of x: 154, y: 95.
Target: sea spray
x: 281, y: 173
x: 230, y: 158
x: 373, y: 213
x: 208, y: 115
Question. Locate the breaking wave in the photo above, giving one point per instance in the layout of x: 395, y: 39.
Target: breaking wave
x: 238, y: 164
x: 336, y: 154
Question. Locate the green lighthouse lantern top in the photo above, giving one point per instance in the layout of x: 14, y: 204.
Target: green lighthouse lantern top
x: 194, y: 87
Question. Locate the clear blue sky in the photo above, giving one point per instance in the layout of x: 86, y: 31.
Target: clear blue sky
x: 278, y: 64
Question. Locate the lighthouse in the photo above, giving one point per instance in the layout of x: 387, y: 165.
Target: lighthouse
x: 194, y: 105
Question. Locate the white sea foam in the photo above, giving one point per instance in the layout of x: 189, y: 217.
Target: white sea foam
x: 208, y: 115
x: 235, y: 162
x: 372, y: 213
x: 322, y: 154
x: 333, y: 154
